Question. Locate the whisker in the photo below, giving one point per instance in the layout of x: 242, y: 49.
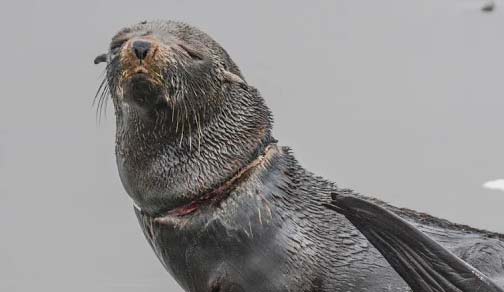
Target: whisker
x: 101, y: 94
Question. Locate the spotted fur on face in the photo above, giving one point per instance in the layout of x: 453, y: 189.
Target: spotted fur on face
x: 186, y: 119
x: 182, y: 75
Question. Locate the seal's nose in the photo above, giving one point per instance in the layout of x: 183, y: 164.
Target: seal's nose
x: 141, y: 49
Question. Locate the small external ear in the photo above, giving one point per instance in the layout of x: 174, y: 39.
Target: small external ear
x: 233, y: 78
x: 100, y: 59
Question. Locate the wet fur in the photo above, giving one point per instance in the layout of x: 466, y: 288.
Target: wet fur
x: 272, y: 233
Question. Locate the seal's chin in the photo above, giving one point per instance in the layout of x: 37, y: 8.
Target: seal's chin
x: 142, y: 91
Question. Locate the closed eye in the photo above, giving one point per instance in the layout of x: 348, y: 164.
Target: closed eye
x: 116, y: 46
x: 195, y: 55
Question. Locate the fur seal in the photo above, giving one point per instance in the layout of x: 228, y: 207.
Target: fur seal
x: 226, y: 209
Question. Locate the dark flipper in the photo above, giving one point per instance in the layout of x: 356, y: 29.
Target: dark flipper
x: 423, y: 263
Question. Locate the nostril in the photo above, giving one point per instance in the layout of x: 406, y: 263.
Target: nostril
x: 141, y: 49
x: 140, y: 53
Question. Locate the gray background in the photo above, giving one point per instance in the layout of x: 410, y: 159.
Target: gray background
x: 399, y: 99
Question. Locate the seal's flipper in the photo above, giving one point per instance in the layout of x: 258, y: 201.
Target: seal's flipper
x: 422, y: 262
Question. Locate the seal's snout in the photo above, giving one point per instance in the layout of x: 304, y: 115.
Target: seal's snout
x: 140, y: 56
x: 141, y: 49
x: 142, y: 79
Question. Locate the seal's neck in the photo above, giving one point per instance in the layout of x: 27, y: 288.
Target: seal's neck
x: 163, y: 166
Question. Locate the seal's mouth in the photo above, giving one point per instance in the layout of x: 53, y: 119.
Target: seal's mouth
x: 141, y: 90
x: 142, y: 78
x: 142, y: 86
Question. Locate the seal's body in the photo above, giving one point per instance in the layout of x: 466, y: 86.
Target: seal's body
x: 273, y: 234
x: 224, y: 207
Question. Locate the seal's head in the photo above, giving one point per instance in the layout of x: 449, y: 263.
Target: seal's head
x: 158, y: 65
x: 187, y: 122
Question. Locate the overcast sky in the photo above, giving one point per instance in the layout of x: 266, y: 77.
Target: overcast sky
x: 402, y: 100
